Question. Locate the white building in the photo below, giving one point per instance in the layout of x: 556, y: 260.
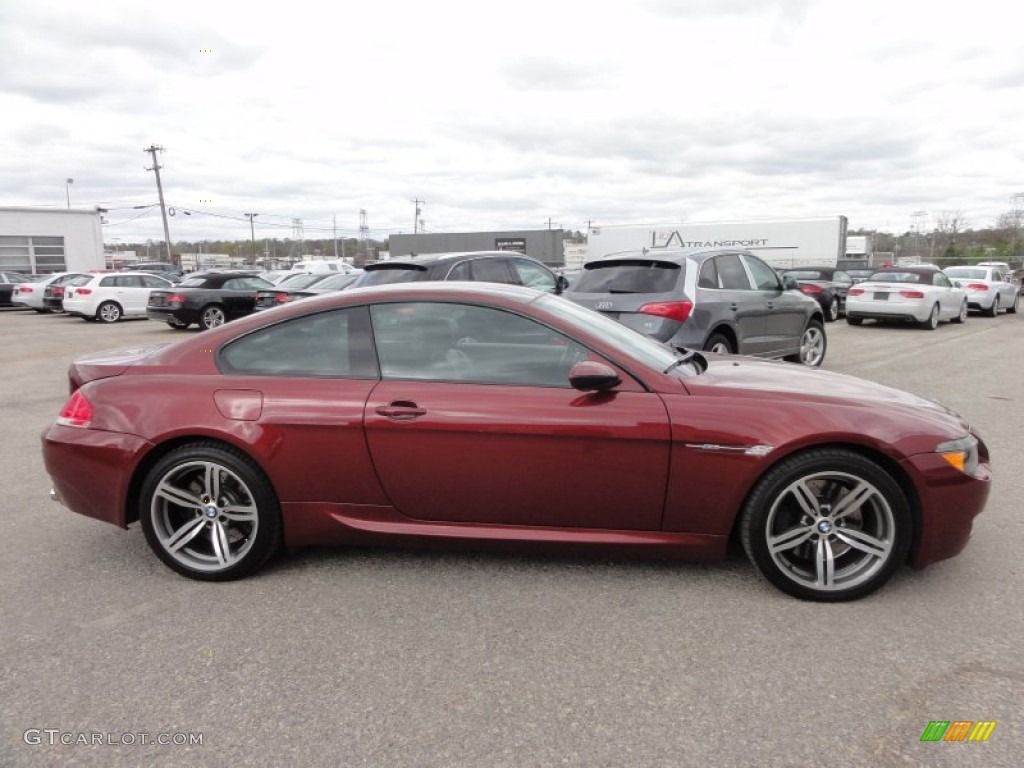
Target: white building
x: 43, y: 240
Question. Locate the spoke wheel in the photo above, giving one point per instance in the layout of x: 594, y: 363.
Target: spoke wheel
x: 994, y: 309
x: 827, y: 525
x: 833, y: 311
x: 719, y: 345
x: 209, y: 513
x: 933, y: 319
x: 962, y: 316
x: 109, y: 312
x: 212, y: 317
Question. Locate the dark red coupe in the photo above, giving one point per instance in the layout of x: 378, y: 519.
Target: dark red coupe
x: 482, y: 415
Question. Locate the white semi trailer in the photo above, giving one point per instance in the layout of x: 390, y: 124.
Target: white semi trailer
x: 783, y: 243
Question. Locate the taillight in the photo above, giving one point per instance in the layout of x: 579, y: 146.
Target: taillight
x: 58, y: 291
x: 175, y: 298
x: 908, y: 294
x: 82, y: 291
x: 855, y: 292
x: 24, y: 289
x: 282, y: 298
x: 77, y: 412
x: 811, y: 290
x: 673, y: 310
x: 977, y: 286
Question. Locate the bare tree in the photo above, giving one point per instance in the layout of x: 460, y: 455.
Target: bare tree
x: 948, y: 224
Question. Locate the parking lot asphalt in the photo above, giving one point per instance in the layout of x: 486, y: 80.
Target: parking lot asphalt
x: 393, y: 658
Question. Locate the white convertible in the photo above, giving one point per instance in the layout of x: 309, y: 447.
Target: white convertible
x: 988, y: 288
x: 922, y: 295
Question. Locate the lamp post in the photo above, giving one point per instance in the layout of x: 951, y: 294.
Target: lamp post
x: 67, y: 190
x: 252, y: 233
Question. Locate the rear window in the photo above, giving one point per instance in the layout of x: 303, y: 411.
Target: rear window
x: 968, y: 273
x: 897, y: 277
x: 395, y: 274
x: 193, y: 282
x: 805, y: 274
x: 79, y: 280
x: 634, y: 276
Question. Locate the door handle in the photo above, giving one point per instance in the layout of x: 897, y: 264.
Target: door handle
x: 734, y: 307
x: 771, y: 305
x: 401, y: 410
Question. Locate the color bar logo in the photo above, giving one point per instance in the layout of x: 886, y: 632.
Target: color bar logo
x: 958, y: 730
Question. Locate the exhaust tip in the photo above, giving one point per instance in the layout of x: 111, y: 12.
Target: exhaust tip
x: 54, y: 496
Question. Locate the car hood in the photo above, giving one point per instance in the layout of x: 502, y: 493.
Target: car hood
x: 750, y: 378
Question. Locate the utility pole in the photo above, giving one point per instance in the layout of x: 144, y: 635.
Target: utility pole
x: 364, y: 235
x: 153, y: 149
x: 67, y: 190
x: 416, y: 218
x: 252, y: 233
x: 334, y: 222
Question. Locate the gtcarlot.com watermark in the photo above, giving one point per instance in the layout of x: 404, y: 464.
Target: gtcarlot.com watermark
x: 55, y: 736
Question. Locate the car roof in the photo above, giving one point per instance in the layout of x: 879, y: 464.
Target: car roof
x: 673, y: 255
x: 915, y: 270
x: 427, y: 259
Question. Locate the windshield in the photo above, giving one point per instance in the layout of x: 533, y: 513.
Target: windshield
x: 967, y: 272
x: 634, y: 276
x: 652, y: 353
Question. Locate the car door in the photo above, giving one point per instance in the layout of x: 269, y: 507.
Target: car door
x: 949, y: 297
x: 786, y: 312
x: 533, y: 275
x: 133, y: 294
x: 468, y: 427
x: 238, y: 296
x: 737, y: 301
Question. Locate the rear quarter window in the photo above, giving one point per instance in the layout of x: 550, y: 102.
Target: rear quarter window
x: 392, y: 275
x: 640, y: 276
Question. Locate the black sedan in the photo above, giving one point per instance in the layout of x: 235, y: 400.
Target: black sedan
x: 827, y: 285
x: 209, y: 299
x: 7, y: 282
x: 326, y: 284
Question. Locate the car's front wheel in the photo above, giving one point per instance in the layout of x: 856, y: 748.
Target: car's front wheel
x: 828, y: 524
x: 209, y: 513
x: 212, y: 317
x: 994, y: 309
x: 832, y: 313
x: 813, y: 345
x: 962, y: 315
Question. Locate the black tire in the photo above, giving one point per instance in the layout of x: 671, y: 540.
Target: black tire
x: 109, y: 312
x: 962, y: 317
x: 933, y: 319
x: 219, y: 481
x: 854, y: 320
x: 177, y: 324
x: 1012, y: 309
x: 813, y: 345
x: 212, y: 316
x: 994, y: 309
x: 832, y: 311
x: 720, y: 340
x: 839, y: 551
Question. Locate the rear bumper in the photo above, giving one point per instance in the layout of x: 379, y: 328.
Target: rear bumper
x: 170, y: 313
x: 91, y: 469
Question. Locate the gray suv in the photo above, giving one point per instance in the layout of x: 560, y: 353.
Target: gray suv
x: 722, y: 301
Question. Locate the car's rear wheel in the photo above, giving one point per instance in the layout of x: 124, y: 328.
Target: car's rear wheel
x: 994, y: 309
x: 108, y: 312
x: 832, y: 313
x: 813, y: 345
x: 209, y: 513
x: 1012, y: 309
x: 719, y: 344
x: 212, y: 316
x: 828, y: 524
x: 962, y: 316
x: 854, y: 320
x: 933, y: 319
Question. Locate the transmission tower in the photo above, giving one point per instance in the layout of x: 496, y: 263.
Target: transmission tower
x: 297, y: 237
x: 364, y: 235
x: 918, y: 223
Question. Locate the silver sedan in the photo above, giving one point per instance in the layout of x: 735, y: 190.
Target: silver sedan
x: 988, y: 288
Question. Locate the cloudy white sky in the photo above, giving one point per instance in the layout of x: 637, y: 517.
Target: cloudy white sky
x: 503, y: 115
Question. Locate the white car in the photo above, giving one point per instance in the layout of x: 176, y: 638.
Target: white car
x: 109, y: 297
x: 988, y: 288
x: 31, y: 294
x: 922, y: 295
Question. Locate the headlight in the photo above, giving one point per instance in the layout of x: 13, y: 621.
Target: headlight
x: 962, y: 453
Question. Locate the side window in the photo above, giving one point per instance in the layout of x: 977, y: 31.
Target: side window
x: 234, y: 284
x: 940, y: 279
x: 109, y: 282
x: 731, y: 274
x: 326, y: 344
x: 841, y: 278
x: 151, y: 281
x: 460, y: 272
x: 131, y: 281
x: 998, y: 277
x: 461, y: 342
x: 533, y: 275
x: 708, y: 275
x: 491, y: 271
x: 765, y: 278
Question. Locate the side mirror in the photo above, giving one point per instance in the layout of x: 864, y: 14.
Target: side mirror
x: 590, y: 375
x: 789, y: 283
x: 561, y: 284
x: 957, y: 284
